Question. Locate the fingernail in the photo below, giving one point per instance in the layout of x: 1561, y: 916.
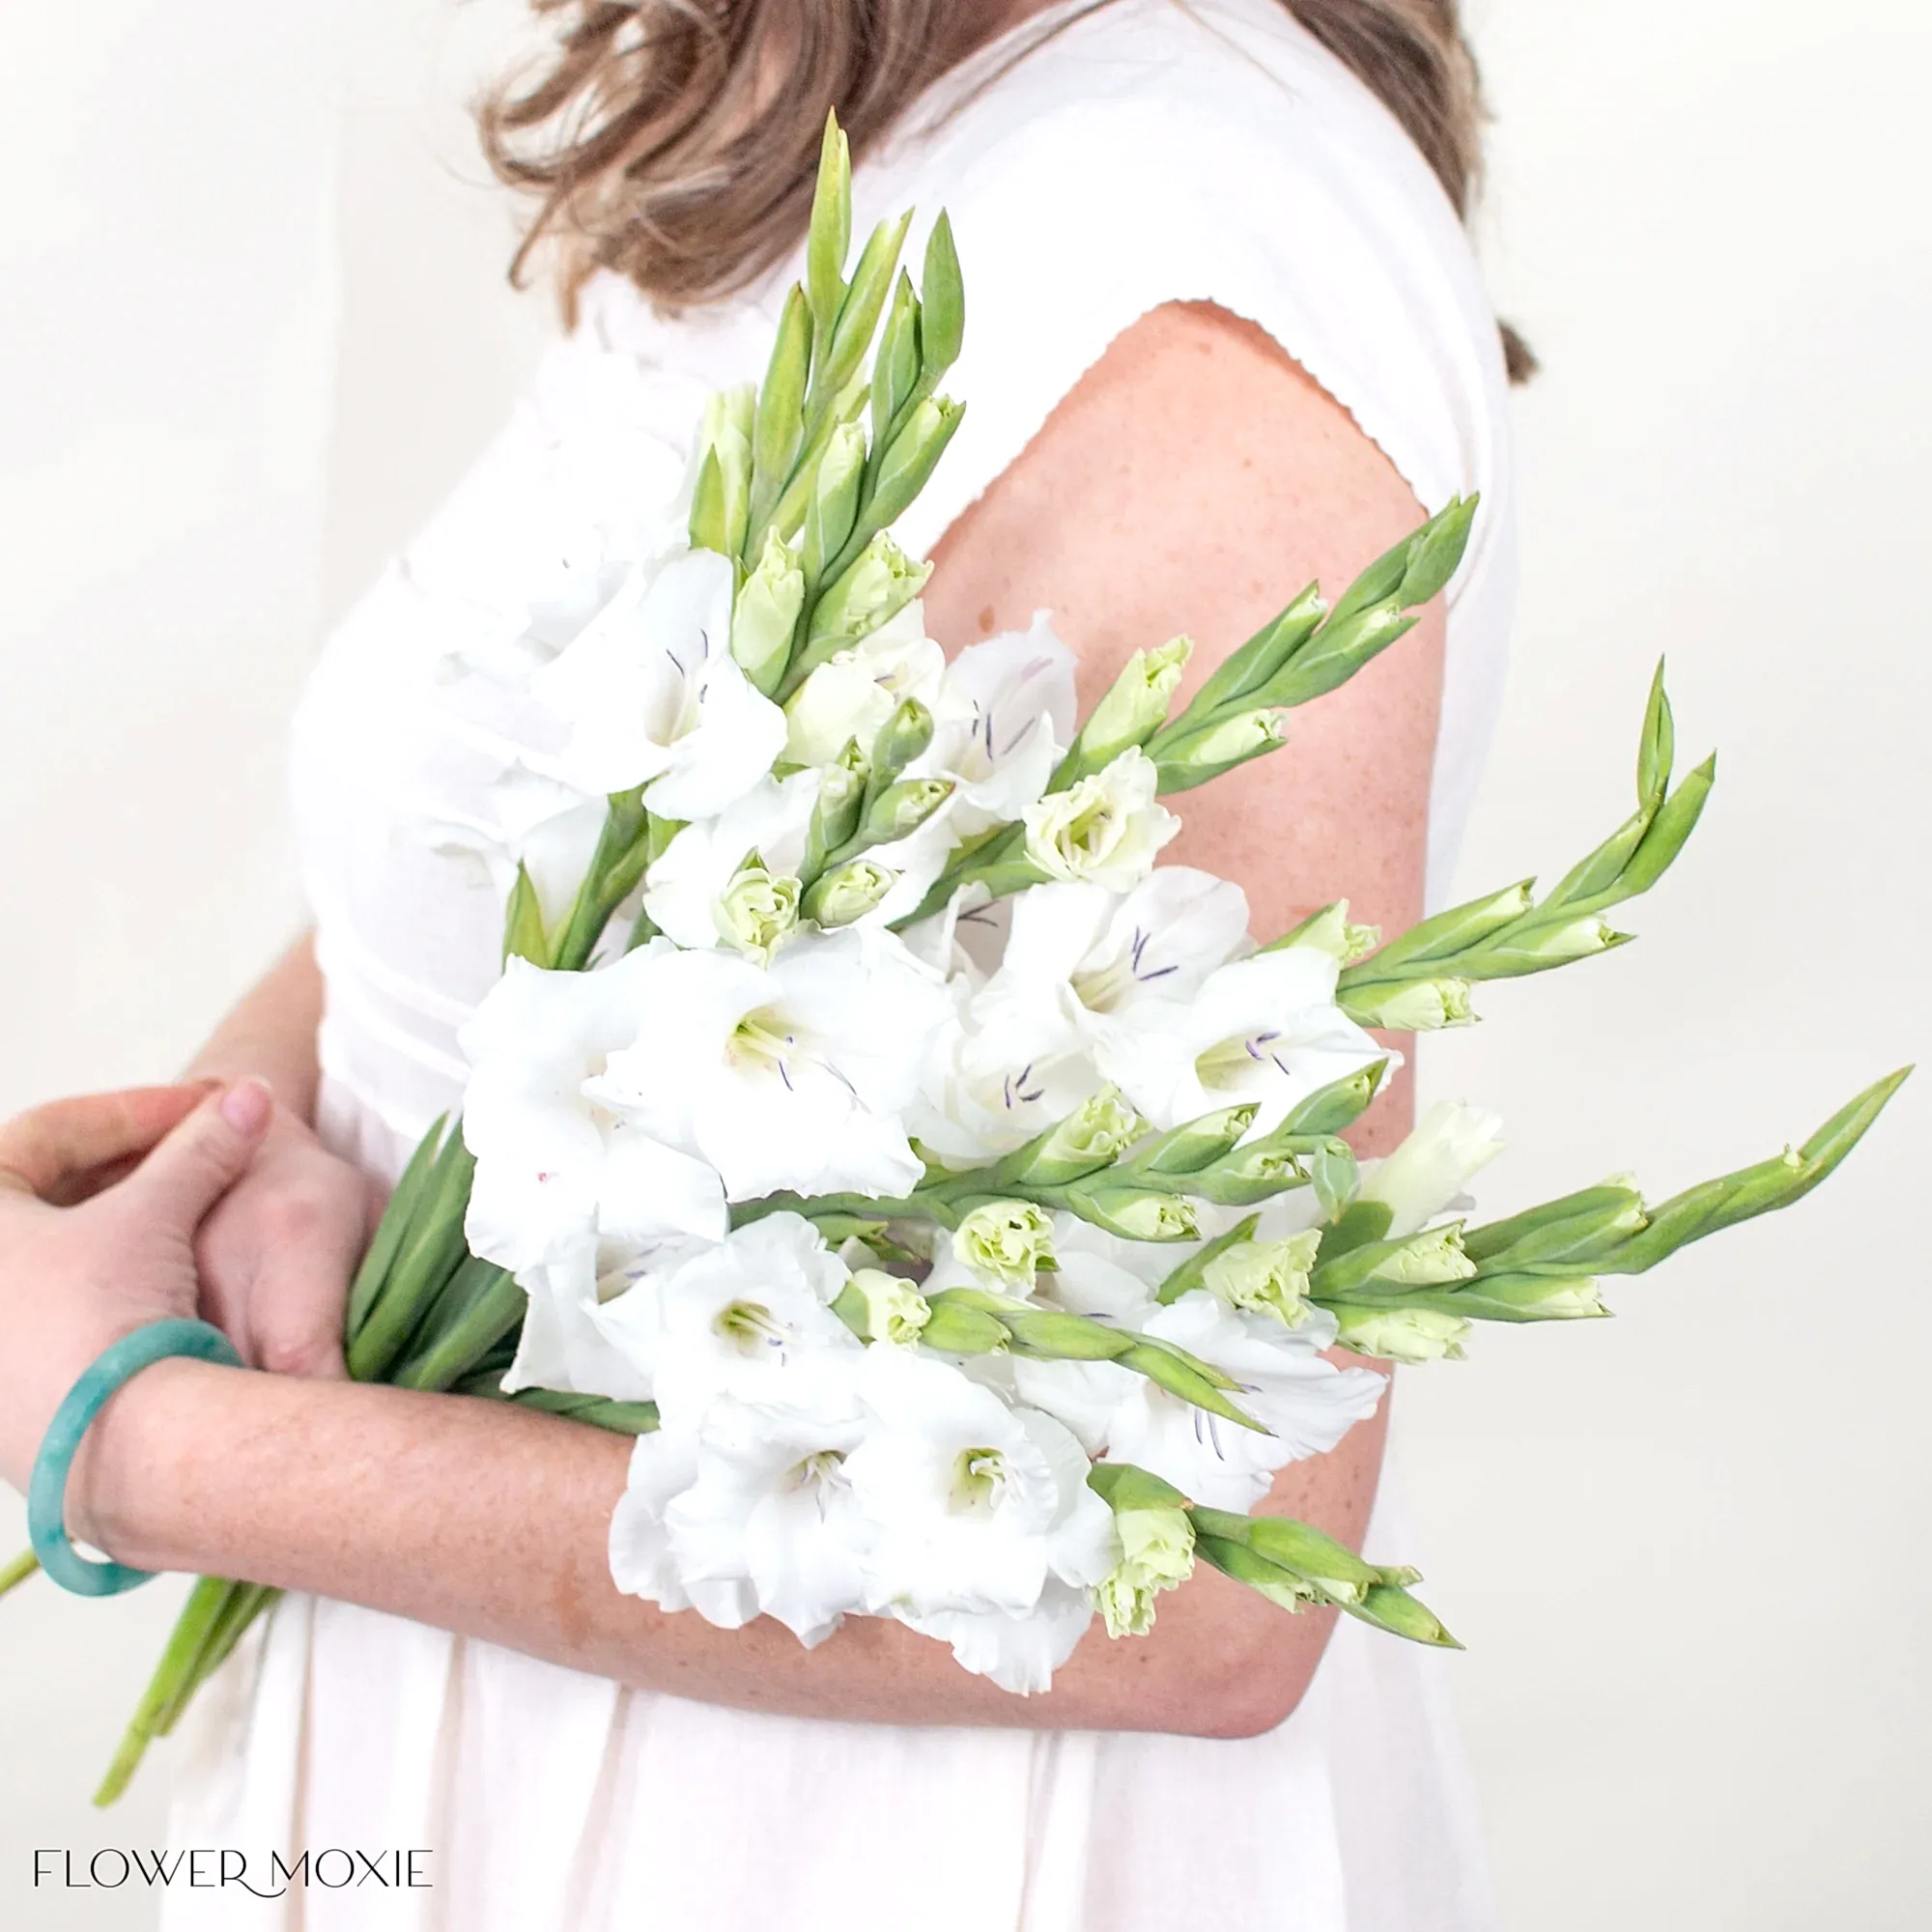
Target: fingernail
x: 247, y: 1106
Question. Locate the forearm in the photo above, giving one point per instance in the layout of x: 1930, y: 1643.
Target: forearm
x: 492, y: 1522
x: 271, y: 1033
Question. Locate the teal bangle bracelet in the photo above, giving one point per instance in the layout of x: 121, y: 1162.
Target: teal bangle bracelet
x: 46, y: 1488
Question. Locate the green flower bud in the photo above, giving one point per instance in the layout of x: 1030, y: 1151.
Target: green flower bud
x: 835, y: 819
x: 1265, y: 1277
x: 911, y: 458
x: 1553, y: 946
x: 1197, y: 1143
x: 780, y: 426
x: 1400, y: 1334
x: 1137, y: 1216
x: 1337, y: 1178
x: 1234, y: 1558
x: 896, y: 1312
x: 1580, y: 1227
x: 1570, y: 1302
x: 766, y: 615
x: 1393, y: 1609
x: 831, y: 232
x: 726, y: 443
x: 1534, y: 1298
x: 1430, y: 1258
x: 1434, y: 1257
x: 1256, y: 1172
x: 1332, y: 1567
x: 1094, y: 1136
x: 757, y: 911
x: 835, y: 496
x: 1006, y: 1242
x: 848, y: 892
x: 961, y: 1330
x: 1135, y: 708
x: 1329, y: 931
x: 1226, y: 743
x: 901, y: 808
x: 880, y: 582
x: 1156, y: 1553
x: 1051, y: 1336
x: 903, y: 736
x: 1422, y: 1006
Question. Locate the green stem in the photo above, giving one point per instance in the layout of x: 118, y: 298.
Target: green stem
x: 18, y: 1571
x: 244, y: 1603
x: 172, y: 1681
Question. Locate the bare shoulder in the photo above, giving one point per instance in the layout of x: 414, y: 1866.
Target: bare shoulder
x: 1194, y: 480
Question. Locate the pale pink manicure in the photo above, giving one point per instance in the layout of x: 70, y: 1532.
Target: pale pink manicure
x: 247, y: 1106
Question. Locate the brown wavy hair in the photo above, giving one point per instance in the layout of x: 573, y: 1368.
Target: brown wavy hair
x: 675, y: 141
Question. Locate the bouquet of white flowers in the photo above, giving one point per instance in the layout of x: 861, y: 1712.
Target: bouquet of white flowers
x: 950, y: 1199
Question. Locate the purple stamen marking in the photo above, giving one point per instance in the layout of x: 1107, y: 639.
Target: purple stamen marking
x: 1015, y: 1086
x: 1259, y: 1041
x: 1140, y: 937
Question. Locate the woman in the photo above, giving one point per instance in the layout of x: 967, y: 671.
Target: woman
x: 1224, y: 335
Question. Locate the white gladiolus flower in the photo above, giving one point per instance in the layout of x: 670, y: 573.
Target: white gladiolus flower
x: 1064, y: 1008
x: 787, y: 1076
x: 987, y: 1088
x: 1084, y: 1396
x: 584, y: 1330
x: 686, y: 889
x: 1003, y: 716
x: 1424, y: 1175
x: 854, y: 690
x: 739, y: 1317
x: 663, y: 1464
x: 1159, y: 941
x: 1308, y: 1403
x: 554, y: 1168
x: 1018, y: 1653
x: 653, y: 697
x: 768, y: 1505
x: 548, y: 828
x: 1099, y: 1274
x: 1105, y: 829
x: 973, y: 1506
x: 1265, y: 1030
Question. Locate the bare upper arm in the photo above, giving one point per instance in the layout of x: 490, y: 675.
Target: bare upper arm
x: 1194, y: 480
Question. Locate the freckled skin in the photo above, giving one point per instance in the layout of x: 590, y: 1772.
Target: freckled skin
x: 1194, y: 480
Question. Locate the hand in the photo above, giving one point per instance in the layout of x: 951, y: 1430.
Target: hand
x: 100, y: 1199
x: 277, y: 1254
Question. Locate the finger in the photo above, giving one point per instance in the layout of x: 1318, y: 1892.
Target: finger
x: 68, y: 1149
x: 202, y: 1159
x: 295, y: 1320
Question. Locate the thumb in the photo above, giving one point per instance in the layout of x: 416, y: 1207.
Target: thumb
x: 203, y: 1157
x: 68, y: 1149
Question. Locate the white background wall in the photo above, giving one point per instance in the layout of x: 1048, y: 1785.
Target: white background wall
x: 253, y: 322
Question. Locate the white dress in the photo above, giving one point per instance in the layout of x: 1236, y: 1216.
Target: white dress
x: 1149, y: 152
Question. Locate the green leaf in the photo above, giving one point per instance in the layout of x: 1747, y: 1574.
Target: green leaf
x: 524, y: 935
x: 394, y: 1227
